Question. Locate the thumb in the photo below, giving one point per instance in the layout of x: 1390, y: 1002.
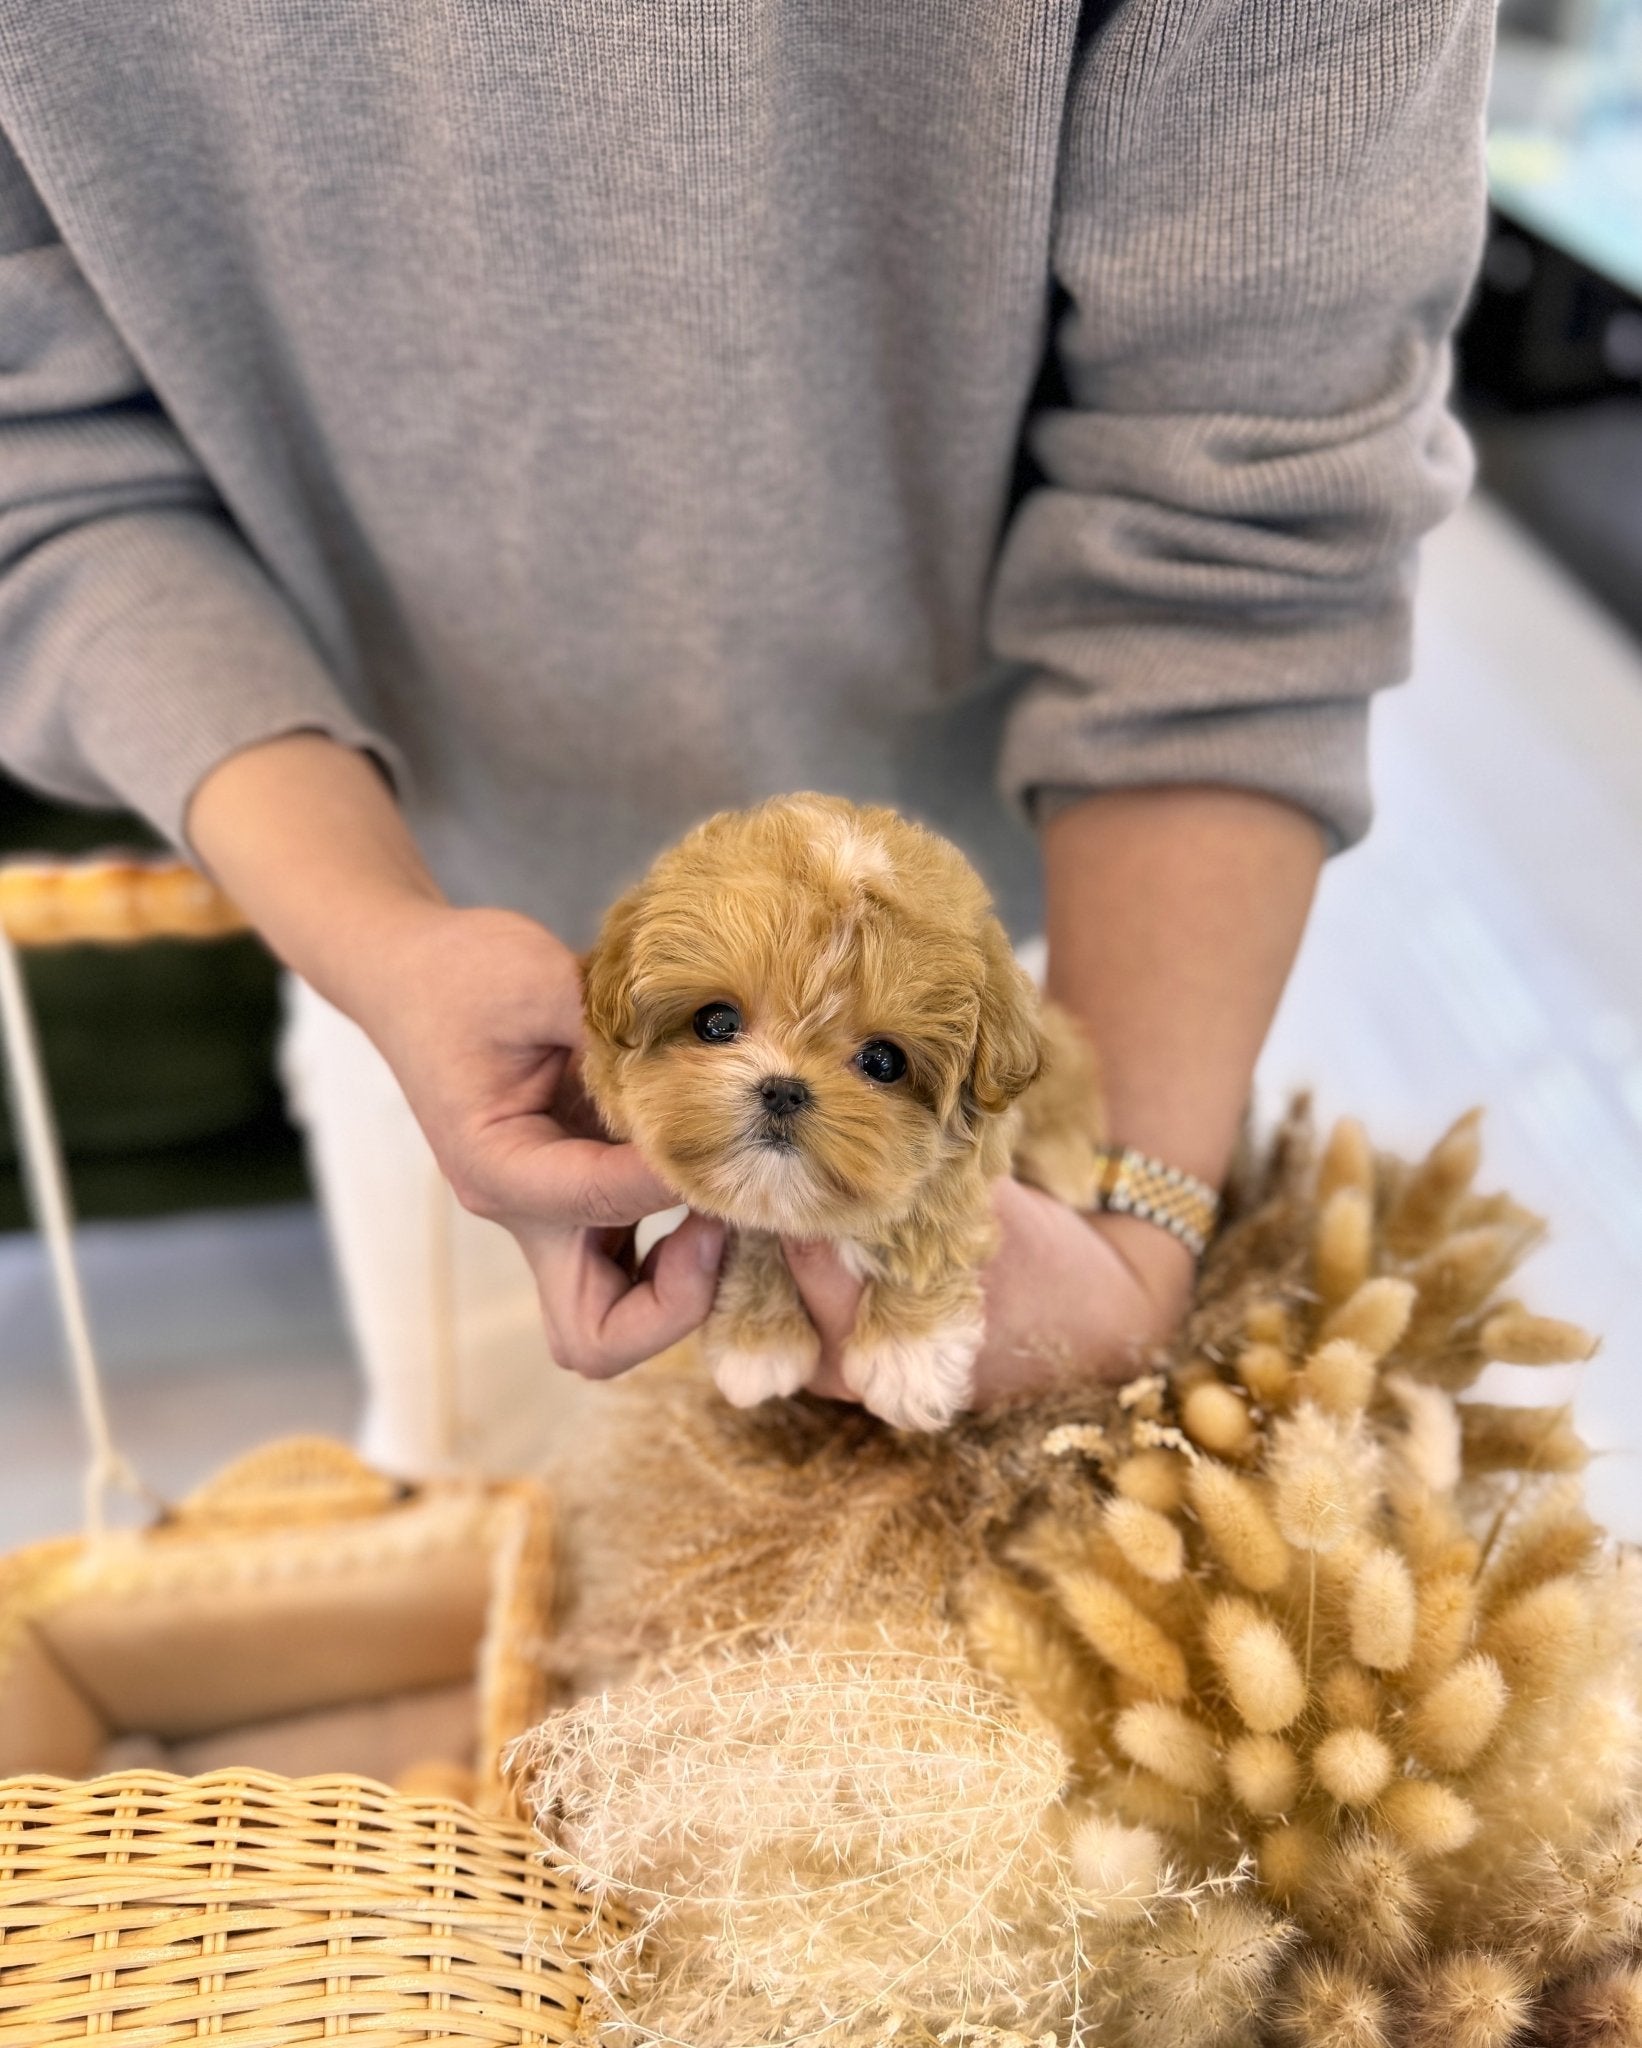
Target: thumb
x: 828, y: 1290
x: 574, y: 1183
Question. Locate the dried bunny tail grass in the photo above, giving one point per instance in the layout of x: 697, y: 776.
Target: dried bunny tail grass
x: 1197, y: 1974
x: 1445, y: 1617
x: 1157, y: 1479
x: 1497, y: 1439
x: 1542, y: 1635
x: 1475, y: 2000
x: 1269, y: 1322
x: 1325, y: 1475
x: 1325, y: 2002
x: 1428, y: 1818
x: 1151, y: 1544
x: 1374, y: 1317
x: 1117, y: 1870
x: 1353, y: 1766
x: 1171, y: 1745
x: 1451, y: 1281
x: 1143, y: 1800
x: 1264, y: 1774
x: 1119, y: 1633
x: 1016, y: 1637
x: 1268, y: 1373
x: 1216, y: 1417
x: 1570, y: 1908
x: 1559, y: 1766
x: 1431, y: 1531
x: 1347, y: 1161
x: 1340, y: 1377
x: 1291, y: 1657
x: 819, y: 1845
x: 1382, y: 1612
x: 1344, y: 1245
x: 1288, y: 1858
x: 1500, y: 1211
x: 1515, y: 1337
x: 1600, y: 2011
x: 1450, y: 1726
x: 1238, y: 1526
x: 1257, y: 1666
x: 1362, y: 1897
x: 1051, y: 1543
x: 1350, y: 1698
x: 1429, y: 1445
x: 1554, y: 1537
x: 1427, y: 1202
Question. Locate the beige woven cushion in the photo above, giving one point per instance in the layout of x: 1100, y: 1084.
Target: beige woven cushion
x: 180, y: 1661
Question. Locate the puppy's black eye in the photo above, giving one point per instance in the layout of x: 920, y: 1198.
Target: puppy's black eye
x: 881, y: 1061
x: 717, y: 1023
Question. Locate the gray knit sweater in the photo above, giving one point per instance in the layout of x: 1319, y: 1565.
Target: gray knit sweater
x: 608, y: 408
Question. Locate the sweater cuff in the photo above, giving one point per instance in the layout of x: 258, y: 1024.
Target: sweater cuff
x: 181, y: 653
x: 1312, y: 754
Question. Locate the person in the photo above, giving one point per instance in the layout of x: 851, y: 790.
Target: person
x: 448, y: 451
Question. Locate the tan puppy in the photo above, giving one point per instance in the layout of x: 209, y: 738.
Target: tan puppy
x: 810, y: 1021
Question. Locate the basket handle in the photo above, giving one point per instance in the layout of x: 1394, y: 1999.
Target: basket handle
x: 107, y: 900
x: 118, y: 899
x: 110, y: 899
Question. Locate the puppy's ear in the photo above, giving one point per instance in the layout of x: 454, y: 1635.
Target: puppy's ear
x: 1008, y: 1040
x: 607, y: 978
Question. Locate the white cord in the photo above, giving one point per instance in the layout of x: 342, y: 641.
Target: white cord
x: 47, y: 1183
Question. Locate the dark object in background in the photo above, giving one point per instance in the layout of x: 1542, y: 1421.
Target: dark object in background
x: 160, y: 1055
x: 1546, y: 329
x: 1551, y: 369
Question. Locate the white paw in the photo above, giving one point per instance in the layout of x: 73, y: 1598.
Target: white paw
x: 746, y: 1376
x: 916, y: 1382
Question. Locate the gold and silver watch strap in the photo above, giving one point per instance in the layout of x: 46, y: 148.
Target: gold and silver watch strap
x: 1132, y: 1184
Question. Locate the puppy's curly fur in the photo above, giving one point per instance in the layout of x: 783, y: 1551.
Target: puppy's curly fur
x: 810, y: 1020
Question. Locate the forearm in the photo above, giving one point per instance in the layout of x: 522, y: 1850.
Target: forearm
x: 1173, y: 916
x: 306, y: 837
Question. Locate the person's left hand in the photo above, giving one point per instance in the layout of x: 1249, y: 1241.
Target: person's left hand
x: 1067, y: 1296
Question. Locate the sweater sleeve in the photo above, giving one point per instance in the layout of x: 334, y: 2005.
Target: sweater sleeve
x: 1268, y: 216
x: 140, y: 640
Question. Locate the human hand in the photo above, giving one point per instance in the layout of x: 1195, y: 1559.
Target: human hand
x: 1067, y: 1296
x: 479, y: 1014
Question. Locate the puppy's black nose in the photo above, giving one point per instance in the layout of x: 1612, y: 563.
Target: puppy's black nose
x: 784, y: 1094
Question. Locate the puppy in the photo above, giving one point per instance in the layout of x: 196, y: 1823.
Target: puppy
x: 810, y: 1021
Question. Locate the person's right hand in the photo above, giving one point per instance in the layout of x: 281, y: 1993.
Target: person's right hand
x: 479, y: 1014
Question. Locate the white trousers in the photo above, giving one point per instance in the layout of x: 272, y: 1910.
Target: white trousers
x: 440, y: 1304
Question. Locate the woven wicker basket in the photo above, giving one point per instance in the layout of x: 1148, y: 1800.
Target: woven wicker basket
x: 296, y: 1586
x: 246, y: 1907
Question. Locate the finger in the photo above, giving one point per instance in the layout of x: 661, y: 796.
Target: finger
x: 573, y: 1107
x: 827, y: 1288
x: 564, y: 1183
x: 828, y: 1381
x: 556, y: 1016
x: 602, y: 1324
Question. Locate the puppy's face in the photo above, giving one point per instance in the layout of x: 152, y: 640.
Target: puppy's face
x: 803, y: 1013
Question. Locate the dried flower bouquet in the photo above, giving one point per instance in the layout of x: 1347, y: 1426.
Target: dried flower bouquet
x: 1280, y: 1697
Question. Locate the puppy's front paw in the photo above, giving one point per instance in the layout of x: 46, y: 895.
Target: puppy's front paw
x: 749, y: 1372
x: 915, y: 1382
